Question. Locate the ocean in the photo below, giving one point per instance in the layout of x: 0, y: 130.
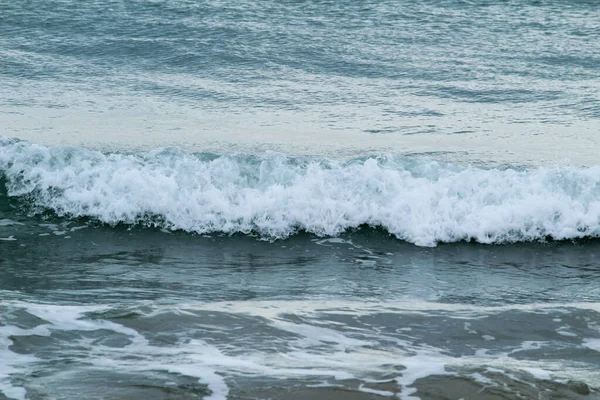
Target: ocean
x: 212, y: 199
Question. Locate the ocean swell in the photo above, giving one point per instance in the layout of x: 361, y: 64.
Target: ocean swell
x: 419, y: 201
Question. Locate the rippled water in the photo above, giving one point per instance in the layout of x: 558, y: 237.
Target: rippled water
x: 510, y: 81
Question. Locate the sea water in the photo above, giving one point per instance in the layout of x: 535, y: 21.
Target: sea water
x: 299, y: 199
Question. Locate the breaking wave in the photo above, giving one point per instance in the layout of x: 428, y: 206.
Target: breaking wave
x: 419, y: 201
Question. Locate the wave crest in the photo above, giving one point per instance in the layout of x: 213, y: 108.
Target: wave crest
x: 423, y: 202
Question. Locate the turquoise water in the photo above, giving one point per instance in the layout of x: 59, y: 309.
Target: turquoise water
x: 299, y: 200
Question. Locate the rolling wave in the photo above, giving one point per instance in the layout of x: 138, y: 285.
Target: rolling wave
x: 420, y: 201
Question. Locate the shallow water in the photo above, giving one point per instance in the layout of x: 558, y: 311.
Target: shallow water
x: 121, y: 313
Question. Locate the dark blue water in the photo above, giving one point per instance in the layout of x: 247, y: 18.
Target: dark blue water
x: 299, y: 199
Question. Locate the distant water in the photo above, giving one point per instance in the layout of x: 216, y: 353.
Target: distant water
x: 299, y: 199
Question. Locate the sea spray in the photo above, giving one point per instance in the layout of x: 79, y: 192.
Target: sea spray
x: 417, y: 200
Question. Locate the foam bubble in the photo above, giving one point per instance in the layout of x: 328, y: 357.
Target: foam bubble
x: 422, y: 202
x: 593, y: 344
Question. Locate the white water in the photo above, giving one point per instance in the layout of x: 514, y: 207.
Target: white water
x: 319, y: 348
x: 420, y: 201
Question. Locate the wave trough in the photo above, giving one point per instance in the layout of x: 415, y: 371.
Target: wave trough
x: 419, y: 201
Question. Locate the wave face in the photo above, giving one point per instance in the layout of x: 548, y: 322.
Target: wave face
x: 419, y: 201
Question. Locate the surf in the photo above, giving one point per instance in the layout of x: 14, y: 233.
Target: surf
x: 418, y: 200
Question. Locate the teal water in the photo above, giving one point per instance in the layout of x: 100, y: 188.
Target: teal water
x: 492, y: 81
x: 299, y: 200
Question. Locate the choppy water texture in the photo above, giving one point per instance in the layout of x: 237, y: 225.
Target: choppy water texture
x: 299, y: 199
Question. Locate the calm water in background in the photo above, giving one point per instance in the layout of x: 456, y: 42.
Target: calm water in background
x: 298, y: 200
x: 493, y: 80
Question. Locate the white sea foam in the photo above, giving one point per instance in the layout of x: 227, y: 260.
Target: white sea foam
x: 313, y: 352
x: 10, y: 362
x: 422, y: 202
x: 593, y: 344
x: 384, y: 393
x: 8, y: 222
